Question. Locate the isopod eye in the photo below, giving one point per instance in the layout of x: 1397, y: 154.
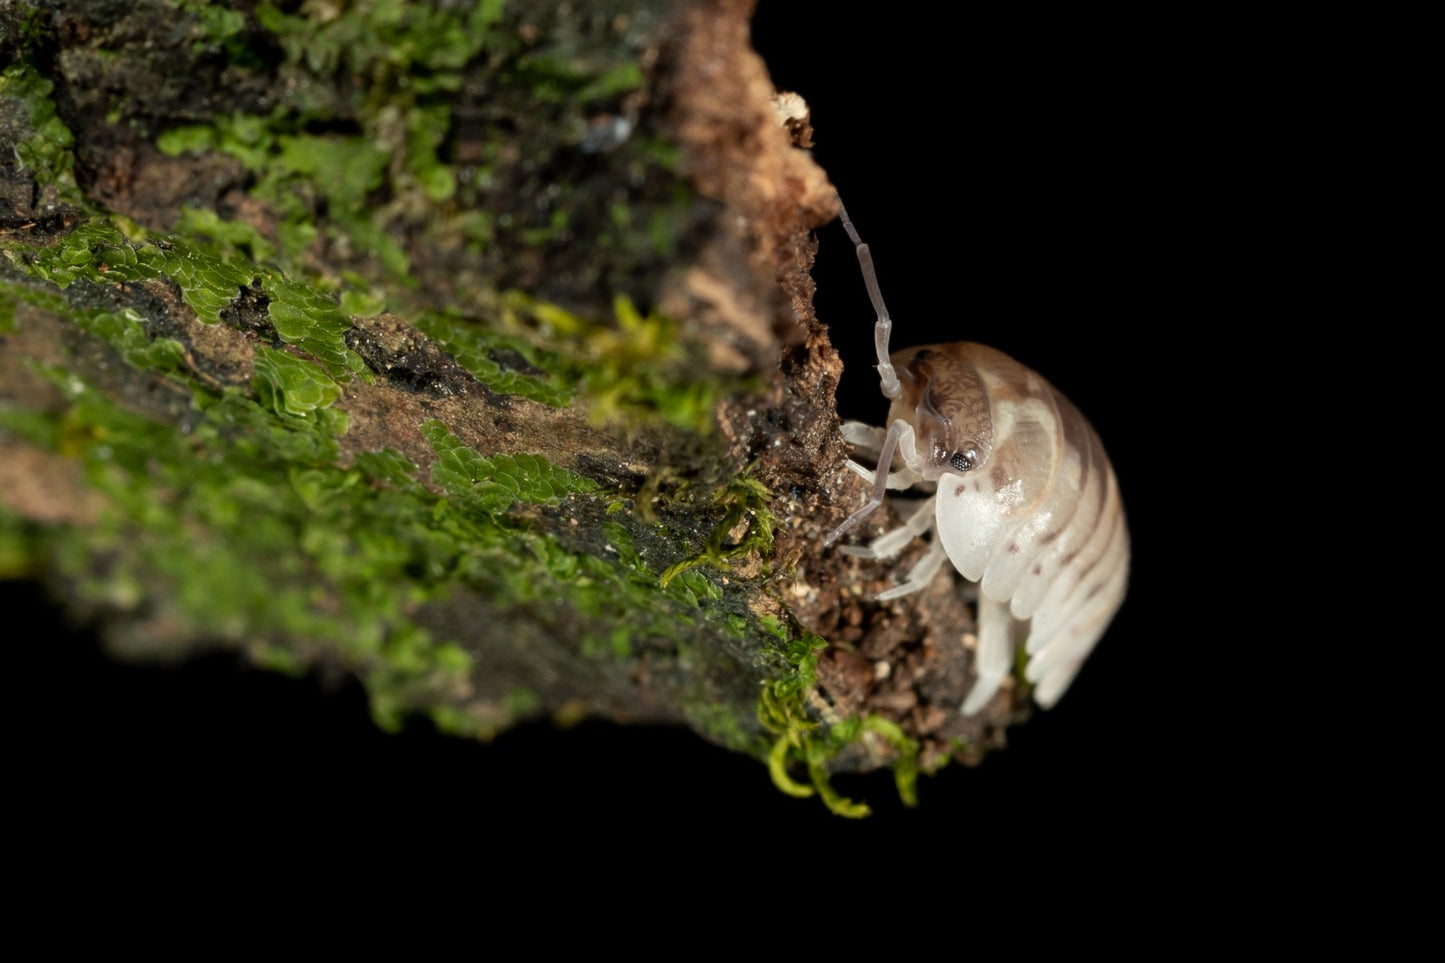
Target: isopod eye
x: 963, y: 460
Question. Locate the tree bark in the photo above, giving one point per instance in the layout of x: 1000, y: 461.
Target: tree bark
x: 468, y: 351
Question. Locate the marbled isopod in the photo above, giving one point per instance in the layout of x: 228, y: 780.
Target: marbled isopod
x: 1024, y: 501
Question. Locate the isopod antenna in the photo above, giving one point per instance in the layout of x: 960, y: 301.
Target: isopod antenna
x: 884, y: 328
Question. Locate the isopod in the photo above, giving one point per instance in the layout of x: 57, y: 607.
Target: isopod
x: 1024, y: 501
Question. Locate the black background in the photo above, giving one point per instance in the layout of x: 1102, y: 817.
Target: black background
x: 1038, y: 187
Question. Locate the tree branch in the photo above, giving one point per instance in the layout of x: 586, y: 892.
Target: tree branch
x: 469, y: 352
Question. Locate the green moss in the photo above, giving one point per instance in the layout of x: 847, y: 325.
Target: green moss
x: 636, y: 369
x: 801, y: 741
x: 479, y: 350
x: 125, y: 330
x: 291, y: 386
x: 44, y: 150
x: 385, y: 38
x: 781, y: 711
x: 365, y: 144
x: 426, y: 129
x: 312, y: 321
x: 243, y: 528
x: 252, y: 536
x: 14, y: 293
x: 97, y: 251
x: 233, y: 235
x: 350, y: 168
x: 523, y: 702
x: 398, y: 59
x: 746, y: 528
x: 725, y: 726
x: 274, y: 658
x: 286, y: 384
x: 492, y: 485
x: 297, y: 173
x: 614, y: 591
x: 1023, y: 688
x: 208, y: 283
x: 359, y: 299
x: 17, y: 547
x: 247, y: 137
x: 248, y: 530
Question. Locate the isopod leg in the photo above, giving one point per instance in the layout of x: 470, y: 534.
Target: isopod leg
x: 897, y: 480
x: 994, y: 655
x: 880, y: 483
x: 865, y: 438
x: 921, y: 575
x: 891, y: 543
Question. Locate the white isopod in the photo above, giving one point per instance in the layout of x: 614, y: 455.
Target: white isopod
x: 1025, y: 501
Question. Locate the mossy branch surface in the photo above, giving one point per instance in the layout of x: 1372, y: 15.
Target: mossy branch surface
x: 376, y: 344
